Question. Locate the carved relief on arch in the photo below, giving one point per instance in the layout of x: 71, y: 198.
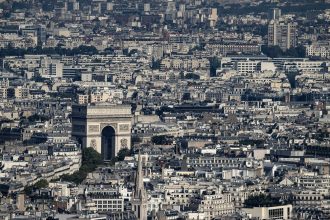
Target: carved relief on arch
x: 124, y: 127
x: 93, y: 144
x: 113, y: 125
x: 93, y: 128
x: 124, y: 143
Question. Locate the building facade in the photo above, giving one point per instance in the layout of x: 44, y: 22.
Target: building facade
x: 282, y: 34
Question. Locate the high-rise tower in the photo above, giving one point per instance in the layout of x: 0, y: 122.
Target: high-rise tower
x: 275, y: 14
x: 139, y: 199
x: 282, y: 34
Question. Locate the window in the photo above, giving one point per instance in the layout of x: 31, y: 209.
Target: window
x: 275, y: 213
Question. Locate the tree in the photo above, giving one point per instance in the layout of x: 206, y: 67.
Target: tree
x: 155, y: 64
x: 124, y: 152
x: 82, y: 49
x: 38, y: 185
x: 19, y: 5
x: 200, y: 46
x: 214, y: 65
x: 125, y: 51
x: 253, y: 142
x: 186, y: 96
x: 161, y: 139
x: 91, y: 159
x: 292, y: 78
x: 133, y: 51
x: 192, y: 76
x: 109, y: 50
x: 276, y: 51
x: 36, y: 117
x: 120, y: 155
x: 41, y: 184
x: 261, y: 200
x: 136, y: 139
x: 272, y: 51
x: 181, y: 75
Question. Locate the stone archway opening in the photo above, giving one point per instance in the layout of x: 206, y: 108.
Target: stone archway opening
x: 108, y: 144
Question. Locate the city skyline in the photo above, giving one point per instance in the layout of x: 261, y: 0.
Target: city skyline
x: 164, y: 109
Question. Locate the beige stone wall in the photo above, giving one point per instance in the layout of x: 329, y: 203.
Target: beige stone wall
x: 89, y: 121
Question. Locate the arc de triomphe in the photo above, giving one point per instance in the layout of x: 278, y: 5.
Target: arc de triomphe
x: 105, y: 127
